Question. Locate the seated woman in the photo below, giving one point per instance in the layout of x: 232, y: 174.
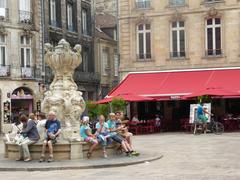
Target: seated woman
x: 31, y: 135
x: 116, y: 136
x: 102, y: 134
x: 85, y: 132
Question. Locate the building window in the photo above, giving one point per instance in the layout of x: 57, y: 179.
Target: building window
x: 143, y: 4
x: 85, y: 60
x: 70, y: 17
x: 177, y: 2
x: 53, y: 15
x: 105, y: 64
x: 84, y: 22
x: 3, y: 50
x: 26, y: 54
x: 144, y: 41
x: 213, y: 37
x: 116, y: 64
x: 25, y: 11
x: 177, y: 39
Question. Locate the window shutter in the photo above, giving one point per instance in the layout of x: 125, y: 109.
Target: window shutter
x: 58, y: 13
x: 75, y: 19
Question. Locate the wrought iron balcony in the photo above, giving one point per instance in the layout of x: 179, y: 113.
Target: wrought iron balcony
x: 213, y: 52
x: 146, y: 56
x: 143, y: 4
x: 4, y: 71
x: 25, y: 17
x: 177, y: 55
x: 30, y: 73
x: 4, y: 14
x: 91, y: 77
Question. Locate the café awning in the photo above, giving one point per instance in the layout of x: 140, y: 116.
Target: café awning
x: 177, y: 84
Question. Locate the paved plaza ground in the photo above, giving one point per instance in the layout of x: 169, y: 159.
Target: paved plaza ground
x: 185, y: 156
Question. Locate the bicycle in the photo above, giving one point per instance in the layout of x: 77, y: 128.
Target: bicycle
x: 213, y: 127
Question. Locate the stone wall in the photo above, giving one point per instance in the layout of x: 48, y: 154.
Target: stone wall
x: 194, y: 14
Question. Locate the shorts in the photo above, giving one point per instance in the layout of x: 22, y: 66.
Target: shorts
x: 90, y: 140
x: 203, y: 118
x: 118, y: 138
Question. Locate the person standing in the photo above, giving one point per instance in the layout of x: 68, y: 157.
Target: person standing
x: 201, y: 115
x: 31, y: 136
x: 53, y: 130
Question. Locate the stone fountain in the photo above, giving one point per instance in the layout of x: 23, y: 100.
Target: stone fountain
x: 63, y: 96
x: 64, y: 99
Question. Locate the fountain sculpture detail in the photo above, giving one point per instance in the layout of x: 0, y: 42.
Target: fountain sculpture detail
x: 63, y: 96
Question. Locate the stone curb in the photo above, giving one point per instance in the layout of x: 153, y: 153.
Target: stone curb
x: 74, y: 167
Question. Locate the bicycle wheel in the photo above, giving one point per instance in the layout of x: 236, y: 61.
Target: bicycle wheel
x: 217, y: 128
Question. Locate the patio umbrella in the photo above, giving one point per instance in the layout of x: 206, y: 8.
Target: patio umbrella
x: 213, y: 91
x: 126, y: 97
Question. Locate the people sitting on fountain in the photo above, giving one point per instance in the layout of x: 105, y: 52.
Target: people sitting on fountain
x: 86, y: 134
x: 29, y: 135
x: 102, y: 134
x: 121, y: 125
x: 116, y: 136
x: 53, y: 130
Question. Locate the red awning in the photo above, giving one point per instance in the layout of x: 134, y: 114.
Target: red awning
x: 175, y: 85
x: 214, y: 91
x: 126, y: 97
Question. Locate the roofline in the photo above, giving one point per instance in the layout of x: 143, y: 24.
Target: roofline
x: 183, y: 70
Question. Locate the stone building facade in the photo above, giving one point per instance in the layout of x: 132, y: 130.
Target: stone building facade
x: 178, y: 34
x: 106, y: 6
x: 20, y: 58
x: 73, y: 20
x: 106, y: 53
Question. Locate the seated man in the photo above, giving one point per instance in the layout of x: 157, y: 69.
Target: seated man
x: 202, y: 117
x: 103, y: 134
x: 53, y: 129
x: 121, y: 125
x: 116, y: 136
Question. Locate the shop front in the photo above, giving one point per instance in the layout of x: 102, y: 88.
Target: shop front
x: 172, y: 90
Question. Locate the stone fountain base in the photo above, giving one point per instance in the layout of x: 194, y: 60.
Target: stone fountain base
x: 62, y: 150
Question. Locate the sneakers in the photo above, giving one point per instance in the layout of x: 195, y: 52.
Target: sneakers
x: 50, y: 159
x: 135, y: 153
x: 27, y: 159
x: 42, y: 158
x: 105, y: 155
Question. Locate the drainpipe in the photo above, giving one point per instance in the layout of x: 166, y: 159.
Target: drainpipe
x: 43, y: 35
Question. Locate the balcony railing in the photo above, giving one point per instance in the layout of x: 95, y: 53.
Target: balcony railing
x: 4, y: 14
x: 174, y: 3
x: 177, y: 55
x: 143, y: 4
x: 92, y: 77
x: 30, y: 73
x: 55, y: 23
x: 213, y: 52
x: 4, y: 71
x: 212, y: 1
x: 144, y: 56
x: 26, y: 17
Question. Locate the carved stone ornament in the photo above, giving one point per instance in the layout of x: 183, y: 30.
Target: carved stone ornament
x: 2, y: 29
x: 63, y: 97
x: 142, y: 19
x: 177, y: 16
x: 212, y: 12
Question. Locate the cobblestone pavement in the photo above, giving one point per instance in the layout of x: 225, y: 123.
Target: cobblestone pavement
x: 186, y: 156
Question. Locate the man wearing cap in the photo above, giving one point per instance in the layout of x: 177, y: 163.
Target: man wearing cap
x: 53, y: 129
